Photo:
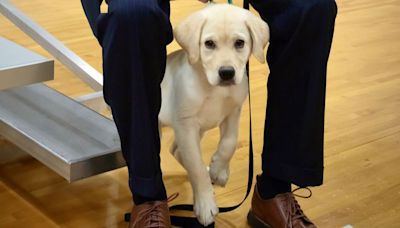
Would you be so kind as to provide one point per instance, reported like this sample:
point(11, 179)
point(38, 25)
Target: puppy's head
point(221, 38)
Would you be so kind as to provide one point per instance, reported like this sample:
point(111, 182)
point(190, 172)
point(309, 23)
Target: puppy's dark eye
point(239, 44)
point(209, 44)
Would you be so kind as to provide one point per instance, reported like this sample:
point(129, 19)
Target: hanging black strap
point(192, 222)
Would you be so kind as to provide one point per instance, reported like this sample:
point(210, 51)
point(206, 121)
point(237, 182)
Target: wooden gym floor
point(362, 141)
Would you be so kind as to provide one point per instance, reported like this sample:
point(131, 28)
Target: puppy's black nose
point(226, 73)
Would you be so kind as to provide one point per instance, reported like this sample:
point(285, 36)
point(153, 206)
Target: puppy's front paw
point(205, 208)
point(219, 172)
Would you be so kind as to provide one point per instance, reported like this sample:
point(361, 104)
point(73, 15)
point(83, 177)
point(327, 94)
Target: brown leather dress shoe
point(282, 211)
point(153, 214)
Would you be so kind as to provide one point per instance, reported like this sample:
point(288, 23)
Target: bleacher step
point(71, 139)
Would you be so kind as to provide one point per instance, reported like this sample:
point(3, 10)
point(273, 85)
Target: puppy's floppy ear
point(188, 33)
point(259, 32)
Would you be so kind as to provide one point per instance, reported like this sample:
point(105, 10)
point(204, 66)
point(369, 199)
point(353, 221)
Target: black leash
point(192, 222)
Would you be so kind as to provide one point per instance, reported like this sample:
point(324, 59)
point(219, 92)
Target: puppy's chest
point(214, 110)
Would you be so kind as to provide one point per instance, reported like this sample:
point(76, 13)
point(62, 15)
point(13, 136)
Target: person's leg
point(134, 35)
point(301, 36)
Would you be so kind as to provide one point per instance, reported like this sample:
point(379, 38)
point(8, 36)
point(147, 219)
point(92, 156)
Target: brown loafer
point(153, 214)
point(282, 211)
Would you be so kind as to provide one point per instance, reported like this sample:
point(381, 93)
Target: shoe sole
point(256, 222)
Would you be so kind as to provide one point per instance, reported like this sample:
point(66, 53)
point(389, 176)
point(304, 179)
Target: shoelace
point(299, 188)
point(294, 210)
point(153, 215)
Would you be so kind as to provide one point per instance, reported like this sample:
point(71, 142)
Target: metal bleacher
point(63, 133)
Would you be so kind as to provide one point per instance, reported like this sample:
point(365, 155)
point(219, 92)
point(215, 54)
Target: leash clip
point(211, 2)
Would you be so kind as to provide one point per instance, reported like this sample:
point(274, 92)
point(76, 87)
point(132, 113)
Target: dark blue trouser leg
point(134, 35)
point(301, 37)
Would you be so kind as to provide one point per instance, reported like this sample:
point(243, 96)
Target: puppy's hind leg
point(219, 166)
point(174, 151)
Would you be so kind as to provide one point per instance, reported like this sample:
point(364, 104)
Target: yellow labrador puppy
point(204, 87)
